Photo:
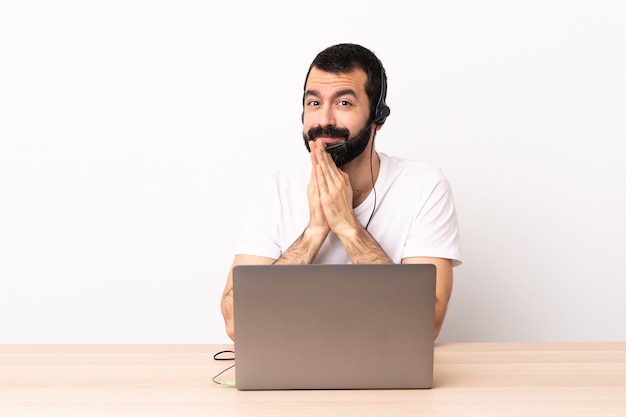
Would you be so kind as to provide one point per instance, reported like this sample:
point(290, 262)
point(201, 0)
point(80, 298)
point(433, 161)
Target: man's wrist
point(314, 236)
point(305, 248)
point(362, 248)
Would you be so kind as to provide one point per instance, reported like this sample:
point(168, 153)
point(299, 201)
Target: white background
point(131, 130)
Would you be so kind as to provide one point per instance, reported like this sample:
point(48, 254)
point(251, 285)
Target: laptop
point(334, 326)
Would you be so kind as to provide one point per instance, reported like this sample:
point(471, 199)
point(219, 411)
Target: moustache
point(328, 132)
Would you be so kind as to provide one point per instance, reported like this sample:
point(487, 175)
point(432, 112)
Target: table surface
point(470, 379)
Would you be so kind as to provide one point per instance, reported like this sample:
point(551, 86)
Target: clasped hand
point(330, 194)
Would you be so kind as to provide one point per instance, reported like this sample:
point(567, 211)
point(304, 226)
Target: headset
point(382, 110)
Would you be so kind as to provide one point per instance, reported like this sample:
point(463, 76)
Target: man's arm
point(227, 295)
point(444, 286)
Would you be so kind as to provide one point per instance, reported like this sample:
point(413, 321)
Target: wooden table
point(471, 379)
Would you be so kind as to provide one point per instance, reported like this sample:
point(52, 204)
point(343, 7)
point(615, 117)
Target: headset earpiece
point(382, 110)
point(381, 114)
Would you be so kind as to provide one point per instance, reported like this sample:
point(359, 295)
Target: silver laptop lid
point(334, 326)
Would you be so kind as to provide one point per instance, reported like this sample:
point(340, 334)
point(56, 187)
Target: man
point(351, 204)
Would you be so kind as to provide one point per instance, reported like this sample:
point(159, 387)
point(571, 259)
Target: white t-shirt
point(414, 214)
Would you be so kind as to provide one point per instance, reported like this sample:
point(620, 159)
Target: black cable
point(218, 357)
point(373, 183)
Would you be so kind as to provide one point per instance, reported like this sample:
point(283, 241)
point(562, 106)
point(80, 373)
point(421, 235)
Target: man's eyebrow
point(344, 92)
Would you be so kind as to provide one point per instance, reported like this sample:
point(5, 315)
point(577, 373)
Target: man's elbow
point(227, 313)
point(437, 331)
point(230, 330)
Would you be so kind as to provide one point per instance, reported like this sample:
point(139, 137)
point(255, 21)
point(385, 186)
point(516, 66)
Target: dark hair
point(345, 57)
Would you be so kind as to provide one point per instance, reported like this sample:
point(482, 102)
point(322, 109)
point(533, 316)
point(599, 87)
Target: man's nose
point(326, 116)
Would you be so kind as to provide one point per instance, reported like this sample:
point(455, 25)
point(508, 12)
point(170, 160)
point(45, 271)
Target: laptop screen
point(334, 326)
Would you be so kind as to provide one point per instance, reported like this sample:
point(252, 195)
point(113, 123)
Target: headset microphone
point(337, 145)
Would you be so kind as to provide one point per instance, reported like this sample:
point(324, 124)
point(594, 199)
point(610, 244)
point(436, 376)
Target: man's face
point(337, 112)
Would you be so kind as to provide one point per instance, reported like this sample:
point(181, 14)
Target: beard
point(345, 152)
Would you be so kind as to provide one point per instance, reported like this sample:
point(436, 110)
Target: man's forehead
point(319, 79)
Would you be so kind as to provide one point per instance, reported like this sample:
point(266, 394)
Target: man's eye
point(344, 103)
point(313, 103)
